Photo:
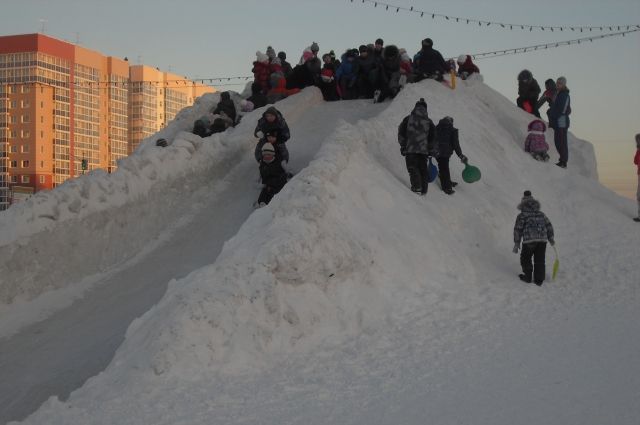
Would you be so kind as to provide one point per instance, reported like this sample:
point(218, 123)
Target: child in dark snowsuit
point(534, 229)
point(272, 120)
point(226, 107)
point(416, 136)
point(536, 142)
point(448, 143)
point(272, 174)
point(528, 92)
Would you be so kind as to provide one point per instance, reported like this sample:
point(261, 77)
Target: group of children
point(556, 95)
point(372, 71)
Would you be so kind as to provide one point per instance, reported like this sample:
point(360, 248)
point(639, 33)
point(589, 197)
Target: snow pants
point(268, 192)
point(560, 139)
point(418, 168)
point(444, 173)
point(535, 250)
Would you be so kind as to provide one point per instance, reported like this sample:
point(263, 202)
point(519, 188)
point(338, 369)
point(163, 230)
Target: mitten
point(259, 134)
point(464, 159)
point(516, 247)
point(403, 151)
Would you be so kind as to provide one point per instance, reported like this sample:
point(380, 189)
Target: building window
point(41, 164)
point(14, 149)
point(26, 119)
point(14, 104)
point(13, 134)
point(41, 119)
point(14, 164)
point(25, 104)
point(41, 149)
point(41, 134)
point(25, 88)
point(41, 104)
point(24, 149)
point(42, 180)
point(25, 163)
point(14, 179)
point(25, 179)
point(25, 134)
point(13, 119)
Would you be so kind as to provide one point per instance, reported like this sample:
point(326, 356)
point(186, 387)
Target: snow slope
point(350, 300)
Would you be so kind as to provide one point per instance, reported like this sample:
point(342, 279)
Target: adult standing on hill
point(559, 120)
point(416, 136)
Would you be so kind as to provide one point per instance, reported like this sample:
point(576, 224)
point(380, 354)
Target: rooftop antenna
point(42, 22)
point(77, 38)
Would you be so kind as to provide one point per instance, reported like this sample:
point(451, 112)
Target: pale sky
point(207, 39)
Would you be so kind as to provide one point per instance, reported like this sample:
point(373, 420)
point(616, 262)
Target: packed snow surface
point(348, 299)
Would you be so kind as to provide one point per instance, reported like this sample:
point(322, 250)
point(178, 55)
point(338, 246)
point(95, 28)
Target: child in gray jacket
point(534, 229)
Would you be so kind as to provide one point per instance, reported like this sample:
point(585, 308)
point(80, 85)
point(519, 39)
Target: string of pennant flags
point(226, 81)
point(551, 45)
point(503, 25)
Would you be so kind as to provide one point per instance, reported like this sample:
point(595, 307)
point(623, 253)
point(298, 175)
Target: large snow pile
point(351, 300)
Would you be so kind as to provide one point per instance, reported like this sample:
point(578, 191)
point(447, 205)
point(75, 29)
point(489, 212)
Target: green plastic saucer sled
point(470, 174)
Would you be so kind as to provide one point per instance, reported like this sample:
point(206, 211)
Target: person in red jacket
point(466, 67)
point(261, 71)
point(636, 160)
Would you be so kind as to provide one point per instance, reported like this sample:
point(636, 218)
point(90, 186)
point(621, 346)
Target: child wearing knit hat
point(534, 229)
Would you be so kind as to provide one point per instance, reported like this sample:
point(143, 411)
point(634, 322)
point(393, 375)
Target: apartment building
point(65, 110)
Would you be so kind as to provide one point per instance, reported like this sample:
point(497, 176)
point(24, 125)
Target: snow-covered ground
point(348, 299)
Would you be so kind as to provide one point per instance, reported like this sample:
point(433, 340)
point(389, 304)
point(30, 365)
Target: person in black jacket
point(528, 92)
point(272, 122)
point(226, 107)
point(257, 97)
point(448, 143)
point(389, 74)
point(272, 174)
point(367, 73)
point(429, 63)
point(286, 66)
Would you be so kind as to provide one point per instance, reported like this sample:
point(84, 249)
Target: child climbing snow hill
point(536, 143)
point(534, 229)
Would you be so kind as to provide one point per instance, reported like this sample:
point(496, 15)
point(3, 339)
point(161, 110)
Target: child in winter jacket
point(272, 174)
point(448, 143)
point(328, 79)
point(261, 72)
point(466, 67)
point(272, 119)
point(536, 143)
point(534, 229)
point(636, 160)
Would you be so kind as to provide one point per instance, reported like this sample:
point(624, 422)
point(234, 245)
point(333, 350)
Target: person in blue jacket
point(559, 120)
point(347, 75)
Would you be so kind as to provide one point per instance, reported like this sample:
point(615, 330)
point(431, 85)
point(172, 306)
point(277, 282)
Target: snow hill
point(349, 299)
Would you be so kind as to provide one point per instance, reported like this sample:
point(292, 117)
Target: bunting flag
point(225, 81)
point(502, 25)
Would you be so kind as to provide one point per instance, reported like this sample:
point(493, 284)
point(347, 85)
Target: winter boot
point(636, 219)
point(524, 278)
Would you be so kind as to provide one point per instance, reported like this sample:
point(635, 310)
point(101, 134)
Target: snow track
point(55, 356)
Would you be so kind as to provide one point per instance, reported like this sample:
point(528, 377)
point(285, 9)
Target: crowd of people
point(379, 72)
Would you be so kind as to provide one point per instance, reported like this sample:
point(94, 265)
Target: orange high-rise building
point(65, 109)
